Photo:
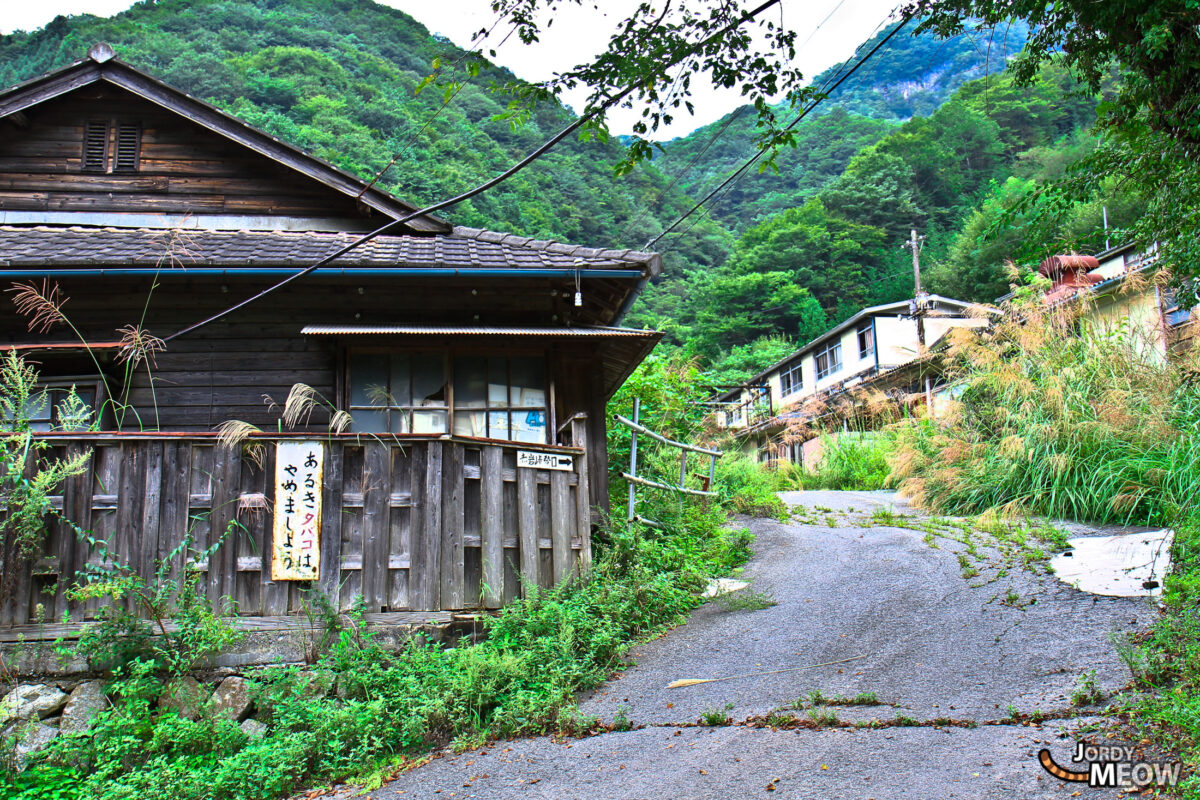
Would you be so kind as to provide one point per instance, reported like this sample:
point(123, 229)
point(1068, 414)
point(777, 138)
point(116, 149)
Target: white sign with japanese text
point(535, 460)
point(296, 540)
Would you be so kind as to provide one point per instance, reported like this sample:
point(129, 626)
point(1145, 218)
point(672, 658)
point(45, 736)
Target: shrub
point(851, 460)
point(747, 487)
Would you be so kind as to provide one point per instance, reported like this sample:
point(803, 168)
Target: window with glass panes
point(501, 397)
point(791, 380)
point(398, 392)
point(866, 340)
point(52, 408)
point(829, 359)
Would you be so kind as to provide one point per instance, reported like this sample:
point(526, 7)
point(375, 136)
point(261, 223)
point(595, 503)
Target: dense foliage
point(955, 176)
point(1085, 425)
point(387, 704)
point(1151, 124)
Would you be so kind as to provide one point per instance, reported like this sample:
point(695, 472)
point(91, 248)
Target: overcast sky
point(577, 34)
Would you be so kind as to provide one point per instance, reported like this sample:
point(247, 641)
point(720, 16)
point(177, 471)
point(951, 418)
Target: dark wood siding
point(180, 166)
point(414, 525)
point(243, 367)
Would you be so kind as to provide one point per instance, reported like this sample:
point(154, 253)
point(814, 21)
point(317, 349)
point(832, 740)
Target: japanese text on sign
point(296, 543)
point(535, 460)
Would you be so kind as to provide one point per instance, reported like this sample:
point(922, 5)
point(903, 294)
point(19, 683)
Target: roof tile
point(464, 248)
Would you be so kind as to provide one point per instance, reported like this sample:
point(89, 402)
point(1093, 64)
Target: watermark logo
point(1112, 767)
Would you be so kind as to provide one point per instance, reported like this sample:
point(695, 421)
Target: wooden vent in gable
point(95, 146)
point(129, 147)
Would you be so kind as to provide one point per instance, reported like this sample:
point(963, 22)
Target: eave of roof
point(477, 330)
point(465, 248)
point(100, 65)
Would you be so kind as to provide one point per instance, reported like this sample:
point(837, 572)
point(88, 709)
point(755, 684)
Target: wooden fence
point(409, 523)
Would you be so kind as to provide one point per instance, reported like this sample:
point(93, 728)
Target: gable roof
point(102, 66)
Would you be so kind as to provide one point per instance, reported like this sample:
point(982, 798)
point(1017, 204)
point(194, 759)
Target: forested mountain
point(914, 139)
point(911, 76)
point(950, 175)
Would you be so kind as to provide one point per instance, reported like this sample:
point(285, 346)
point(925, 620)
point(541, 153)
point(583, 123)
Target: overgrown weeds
point(1060, 420)
point(848, 460)
point(520, 680)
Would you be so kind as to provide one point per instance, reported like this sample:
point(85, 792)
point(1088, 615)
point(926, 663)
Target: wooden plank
point(226, 477)
point(583, 495)
point(377, 489)
point(350, 582)
point(80, 512)
point(331, 523)
point(400, 548)
point(75, 495)
point(147, 549)
point(172, 517)
point(431, 531)
point(527, 528)
point(453, 577)
point(248, 564)
point(418, 572)
point(492, 523)
point(562, 513)
point(132, 484)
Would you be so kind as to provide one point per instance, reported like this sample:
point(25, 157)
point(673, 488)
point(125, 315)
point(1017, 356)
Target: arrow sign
point(531, 459)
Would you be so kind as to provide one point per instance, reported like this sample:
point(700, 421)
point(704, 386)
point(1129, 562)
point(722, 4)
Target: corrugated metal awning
point(436, 330)
point(65, 347)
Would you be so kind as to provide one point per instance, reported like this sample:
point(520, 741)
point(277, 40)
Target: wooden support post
point(492, 526)
point(453, 577)
point(561, 513)
point(583, 501)
point(527, 528)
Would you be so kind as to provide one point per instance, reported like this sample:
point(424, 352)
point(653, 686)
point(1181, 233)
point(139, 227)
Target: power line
point(481, 37)
point(481, 188)
point(681, 174)
point(692, 162)
point(796, 121)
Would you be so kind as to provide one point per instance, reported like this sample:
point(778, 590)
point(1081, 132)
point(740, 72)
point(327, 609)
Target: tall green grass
point(848, 460)
point(1053, 421)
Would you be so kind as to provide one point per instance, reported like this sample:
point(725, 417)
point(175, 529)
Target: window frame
point(509, 408)
point(832, 353)
point(794, 375)
point(55, 384)
point(450, 358)
point(867, 328)
point(408, 408)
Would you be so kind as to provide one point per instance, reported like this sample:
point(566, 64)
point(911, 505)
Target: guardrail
point(635, 480)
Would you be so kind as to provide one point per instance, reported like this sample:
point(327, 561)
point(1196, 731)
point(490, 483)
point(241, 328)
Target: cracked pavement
point(927, 644)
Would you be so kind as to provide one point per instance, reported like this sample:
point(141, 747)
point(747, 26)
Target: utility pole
point(914, 244)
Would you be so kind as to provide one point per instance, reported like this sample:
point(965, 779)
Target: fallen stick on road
point(693, 681)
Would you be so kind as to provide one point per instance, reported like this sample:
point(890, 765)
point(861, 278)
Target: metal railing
point(635, 480)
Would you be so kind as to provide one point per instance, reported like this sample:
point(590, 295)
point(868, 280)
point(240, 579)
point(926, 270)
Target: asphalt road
point(923, 640)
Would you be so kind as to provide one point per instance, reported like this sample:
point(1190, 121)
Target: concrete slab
point(1124, 565)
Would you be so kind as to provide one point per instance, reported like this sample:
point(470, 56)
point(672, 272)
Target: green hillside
point(337, 77)
point(910, 141)
point(910, 77)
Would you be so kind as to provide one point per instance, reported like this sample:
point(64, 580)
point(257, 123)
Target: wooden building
point(475, 365)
